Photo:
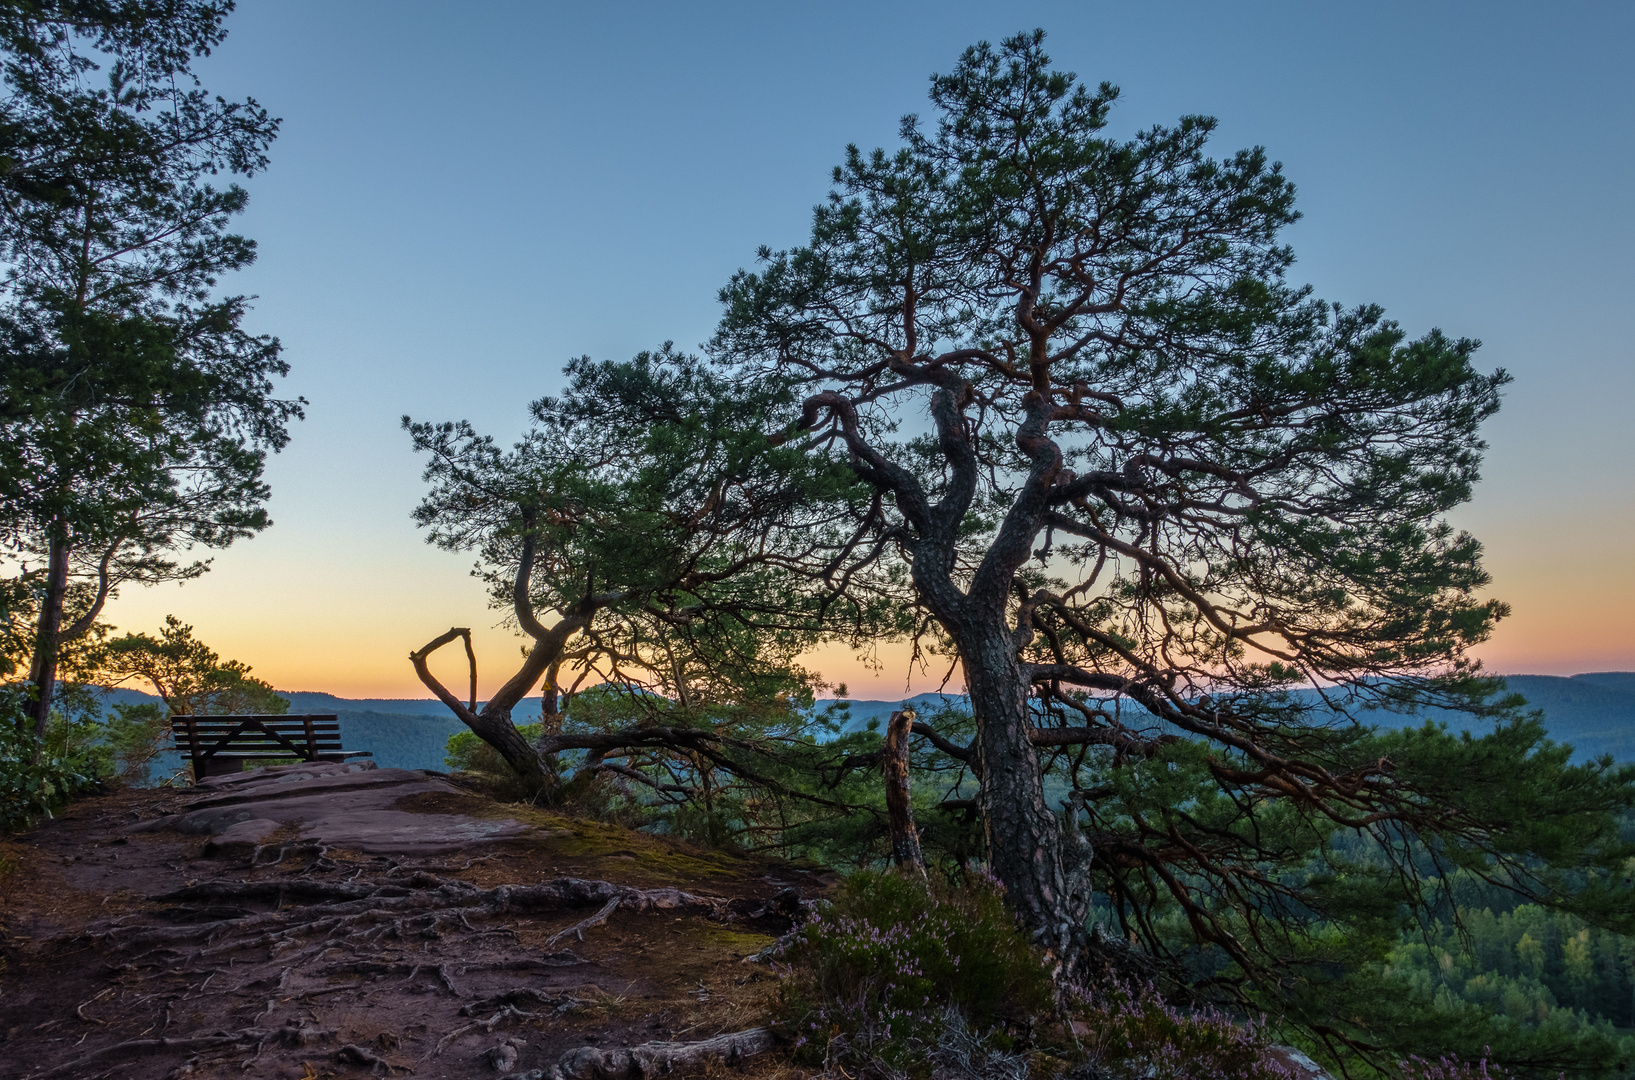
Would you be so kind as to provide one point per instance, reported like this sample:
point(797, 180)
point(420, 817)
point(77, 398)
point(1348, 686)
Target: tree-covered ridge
point(1594, 713)
point(1591, 713)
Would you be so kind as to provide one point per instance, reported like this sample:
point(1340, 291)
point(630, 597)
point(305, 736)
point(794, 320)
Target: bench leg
point(216, 767)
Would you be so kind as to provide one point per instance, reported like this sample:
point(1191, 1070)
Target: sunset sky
point(466, 195)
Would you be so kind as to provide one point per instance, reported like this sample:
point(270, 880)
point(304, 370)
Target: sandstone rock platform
point(333, 804)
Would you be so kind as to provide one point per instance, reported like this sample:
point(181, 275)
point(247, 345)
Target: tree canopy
point(137, 411)
point(1179, 521)
point(643, 535)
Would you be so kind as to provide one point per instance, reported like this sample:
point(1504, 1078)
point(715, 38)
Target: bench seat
point(222, 744)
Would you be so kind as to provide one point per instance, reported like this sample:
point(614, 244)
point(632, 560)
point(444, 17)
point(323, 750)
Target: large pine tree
point(1178, 521)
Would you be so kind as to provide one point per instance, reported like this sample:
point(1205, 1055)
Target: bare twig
point(79, 1010)
point(579, 928)
point(507, 1012)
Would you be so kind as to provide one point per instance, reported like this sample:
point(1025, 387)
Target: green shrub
point(33, 789)
point(132, 738)
point(83, 749)
point(879, 972)
point(117, 747)
point(34, 779)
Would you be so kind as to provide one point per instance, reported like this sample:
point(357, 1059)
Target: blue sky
point(466, 195)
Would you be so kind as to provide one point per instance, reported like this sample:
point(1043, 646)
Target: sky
point(465, 196)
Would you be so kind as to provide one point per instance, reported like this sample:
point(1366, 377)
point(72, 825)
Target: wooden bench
point(222, 744)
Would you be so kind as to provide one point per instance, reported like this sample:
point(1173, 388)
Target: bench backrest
point(281, 735)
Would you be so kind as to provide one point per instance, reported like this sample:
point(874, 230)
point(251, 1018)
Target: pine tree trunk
point(494, 727)
point(1023, 833)
point(48, 636)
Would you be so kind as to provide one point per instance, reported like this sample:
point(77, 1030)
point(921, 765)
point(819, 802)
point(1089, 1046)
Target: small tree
point(649, 513)
point(190, 679)
point(189, 676)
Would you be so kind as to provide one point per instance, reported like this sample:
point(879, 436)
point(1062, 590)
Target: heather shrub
point(1446, 1068)
point(878, 971)
point(1129, 1030)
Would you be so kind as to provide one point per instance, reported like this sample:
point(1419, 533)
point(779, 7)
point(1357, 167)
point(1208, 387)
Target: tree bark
point(1044, 881)
point(905, 839)
point(494, 727)
point(492, 723)
point(48, 637)
point(1047, 886)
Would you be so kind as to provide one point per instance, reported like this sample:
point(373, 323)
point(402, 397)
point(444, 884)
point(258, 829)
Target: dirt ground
point(174, 933)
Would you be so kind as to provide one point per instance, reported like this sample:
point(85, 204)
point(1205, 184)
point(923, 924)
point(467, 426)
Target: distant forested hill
point(1593, 712)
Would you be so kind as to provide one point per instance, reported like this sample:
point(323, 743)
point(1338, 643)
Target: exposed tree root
point(354, 913)
point(442, 975)
point(139, 1047)
point(384, 966)
point(295, 938)
point(559, 958)
point(353, 1054)
point(505, 1013)
point(578, 929)
point(503, 1056)
point(768, 952)
point(561, 1003)
point(505, 1006)
point(80, 1011)
point(349, 915)
point(652, 1059)
point(316, 849)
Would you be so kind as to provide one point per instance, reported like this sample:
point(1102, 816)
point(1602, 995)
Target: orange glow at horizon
point(308, 616)
point(359, 658)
